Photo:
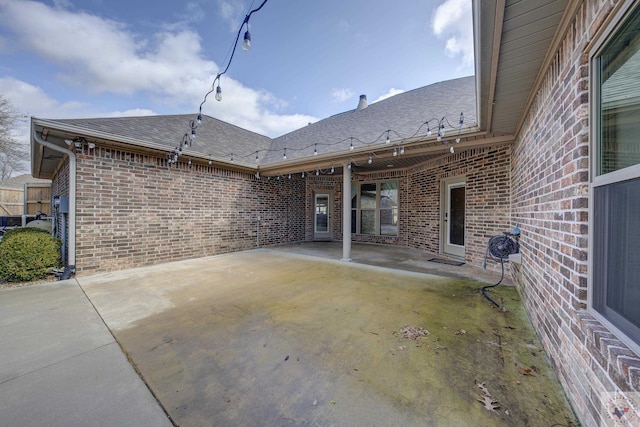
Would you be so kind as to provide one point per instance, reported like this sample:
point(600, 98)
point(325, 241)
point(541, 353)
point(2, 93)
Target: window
point(615, 218)
point(374, 208)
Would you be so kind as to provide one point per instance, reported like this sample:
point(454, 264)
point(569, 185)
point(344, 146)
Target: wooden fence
point(13, 201)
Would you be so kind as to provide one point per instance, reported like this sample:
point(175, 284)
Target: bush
point(18, 230)
point(28, 254)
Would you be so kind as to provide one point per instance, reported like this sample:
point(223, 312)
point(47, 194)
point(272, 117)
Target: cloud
point(341, 95)
point(453, 21)
point(233, 12)
point(103, 55)
point(389, 94)
point(167, 70)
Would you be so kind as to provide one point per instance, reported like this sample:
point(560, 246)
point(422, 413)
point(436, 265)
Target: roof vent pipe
point(362, 104)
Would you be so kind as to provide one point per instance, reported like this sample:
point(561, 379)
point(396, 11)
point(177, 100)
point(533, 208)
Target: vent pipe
point(362, 104)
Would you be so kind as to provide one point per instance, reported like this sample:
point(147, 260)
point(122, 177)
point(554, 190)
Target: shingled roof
point(215, 138)
point(401, 116)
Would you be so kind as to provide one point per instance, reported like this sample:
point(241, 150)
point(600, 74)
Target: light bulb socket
point(246, 44)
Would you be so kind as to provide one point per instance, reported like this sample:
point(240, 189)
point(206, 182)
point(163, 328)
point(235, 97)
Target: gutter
point(70, 269)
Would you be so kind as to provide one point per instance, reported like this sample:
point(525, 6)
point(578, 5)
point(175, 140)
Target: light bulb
point(289, 176)
point(317, 172)
point(395, 152)
point(210, 161)
point(315, 150)
point(370, 160)
point(351, 145)
point(231, 157)
point(303, 174)
point(428, 131)
point(246, 44)
point(193, 134)
point(199, 119)
point(442, 130)
point(457, 140)
point(284, 156)
point(332, 169)
point(257, 175)
point(218, 93)
point(388, 140)
point(451, 150)
point(402, 150)
point(349, 166)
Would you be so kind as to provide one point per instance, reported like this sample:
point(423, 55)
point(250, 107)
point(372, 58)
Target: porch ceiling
point(515, 40)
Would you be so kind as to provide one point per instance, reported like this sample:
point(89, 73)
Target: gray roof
point(18, 182)
point(214, 138)
point(403, 115)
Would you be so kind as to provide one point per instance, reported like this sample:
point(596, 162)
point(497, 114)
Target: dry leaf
point(524, 371)
point(482, 387)
point(226, 399)
point(489, 403)
point(413, 332)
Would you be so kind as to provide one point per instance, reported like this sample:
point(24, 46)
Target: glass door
point(453, 218)
point(322, 217)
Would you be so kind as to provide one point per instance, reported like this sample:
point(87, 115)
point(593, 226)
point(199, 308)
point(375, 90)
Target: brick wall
point(487, 178)
point(550, 188)
point(133, 210)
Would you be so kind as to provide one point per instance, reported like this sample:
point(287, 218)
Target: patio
point(286, 337)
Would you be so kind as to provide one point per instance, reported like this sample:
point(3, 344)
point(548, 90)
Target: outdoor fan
point(499, 248)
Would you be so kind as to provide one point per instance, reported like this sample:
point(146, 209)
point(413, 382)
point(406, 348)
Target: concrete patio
point(293, 336)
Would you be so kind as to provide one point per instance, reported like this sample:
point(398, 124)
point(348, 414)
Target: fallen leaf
point(482, 387)
point(489, 404)
point(413, 332)
point(524, 371)
point(226, 399)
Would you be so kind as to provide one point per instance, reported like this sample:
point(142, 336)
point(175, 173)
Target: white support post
point(346, 213)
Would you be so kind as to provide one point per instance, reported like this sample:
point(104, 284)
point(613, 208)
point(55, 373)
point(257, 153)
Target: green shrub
point(18, 230)
point(28, 255)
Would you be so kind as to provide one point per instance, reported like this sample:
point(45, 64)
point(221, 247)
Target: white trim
point(596, 47)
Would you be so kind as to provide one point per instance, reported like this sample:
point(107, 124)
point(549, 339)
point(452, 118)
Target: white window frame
point(607, 31)
point(358, 209)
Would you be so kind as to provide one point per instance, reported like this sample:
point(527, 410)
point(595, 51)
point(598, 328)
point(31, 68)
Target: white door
point(322, 217)
point(453, 216)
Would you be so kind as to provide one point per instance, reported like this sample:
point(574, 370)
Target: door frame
point(328, 234)
point(447, 184)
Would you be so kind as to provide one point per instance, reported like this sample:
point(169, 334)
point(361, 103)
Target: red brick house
point(549, 143)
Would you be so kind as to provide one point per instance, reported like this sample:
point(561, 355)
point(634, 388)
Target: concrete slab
point(62, 367)
point(267, 337)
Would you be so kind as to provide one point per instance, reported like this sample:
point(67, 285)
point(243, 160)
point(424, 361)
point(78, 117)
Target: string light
point(441, 124)
point(388, 140)
point(370, 159)
point(246, 44)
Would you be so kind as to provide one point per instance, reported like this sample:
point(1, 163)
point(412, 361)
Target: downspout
point(71, 260)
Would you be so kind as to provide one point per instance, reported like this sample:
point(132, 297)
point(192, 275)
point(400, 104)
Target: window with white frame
point(374, 208)
point(615, 187)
